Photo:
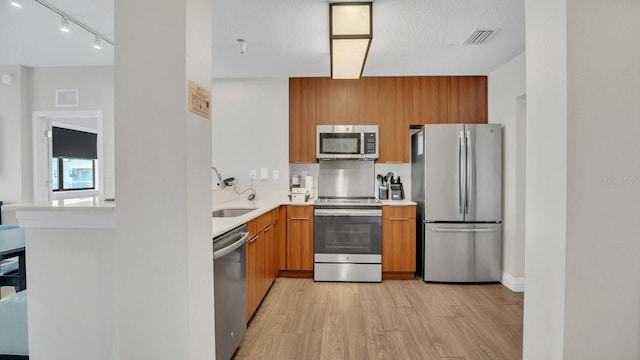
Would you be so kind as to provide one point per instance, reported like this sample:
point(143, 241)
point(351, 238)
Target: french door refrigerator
point(456, 180)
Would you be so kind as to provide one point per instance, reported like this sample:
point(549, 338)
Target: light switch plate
point(264, 173)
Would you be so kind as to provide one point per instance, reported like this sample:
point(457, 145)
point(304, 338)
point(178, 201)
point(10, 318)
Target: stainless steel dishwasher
point(230, 294)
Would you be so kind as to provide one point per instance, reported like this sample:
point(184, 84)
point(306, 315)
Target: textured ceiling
point(287, 38)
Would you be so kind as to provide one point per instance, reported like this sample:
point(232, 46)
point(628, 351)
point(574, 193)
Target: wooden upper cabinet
point(428, 100)
point(467, 100)
point(393, 115)
point(331, 98)
point(302, 120)
point(393, 103)
point(362, 97)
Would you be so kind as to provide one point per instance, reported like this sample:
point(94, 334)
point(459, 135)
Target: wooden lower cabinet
point(300, 238)
point(398, 241)
point(262, 258)
point(281, 237)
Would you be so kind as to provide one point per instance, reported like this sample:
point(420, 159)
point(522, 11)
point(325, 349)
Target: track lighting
point(97, 43)
point(64, 25)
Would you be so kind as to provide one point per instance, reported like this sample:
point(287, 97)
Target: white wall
point(251, 130)
point(583, 180)
point(546, 169)
point(15, 137)
point(602, 296)
point(163, 217)
point(95, 85)
point(34, 90)
point(505, 86)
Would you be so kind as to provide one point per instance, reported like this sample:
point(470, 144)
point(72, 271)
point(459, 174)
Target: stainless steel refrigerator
point(456, 179)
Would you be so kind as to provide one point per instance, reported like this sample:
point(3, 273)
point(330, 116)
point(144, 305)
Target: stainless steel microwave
point(347, 141)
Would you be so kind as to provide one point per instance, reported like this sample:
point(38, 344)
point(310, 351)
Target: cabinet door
point(362, 97)
point(300, 238)
point(252, 275)
point(393, 119)
point(302, 120)
point(331, 102)
point(268, 261)
point(281, 238)
point(428, 100)
point(399, 239)
point(467, 100)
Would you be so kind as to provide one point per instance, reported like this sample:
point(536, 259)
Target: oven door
point(348, 235)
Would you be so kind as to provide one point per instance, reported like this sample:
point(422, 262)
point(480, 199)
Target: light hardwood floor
point(397, 319)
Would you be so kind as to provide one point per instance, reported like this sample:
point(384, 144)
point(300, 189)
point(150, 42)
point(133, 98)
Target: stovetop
point(332, 201)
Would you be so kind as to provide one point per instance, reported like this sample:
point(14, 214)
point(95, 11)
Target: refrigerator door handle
point(478, 230)
point(461, 162)
point(468, 179)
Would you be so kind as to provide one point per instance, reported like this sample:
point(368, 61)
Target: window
point(73, 164)
point(72, 174)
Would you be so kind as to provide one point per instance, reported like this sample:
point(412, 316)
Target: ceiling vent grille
point(478, 37)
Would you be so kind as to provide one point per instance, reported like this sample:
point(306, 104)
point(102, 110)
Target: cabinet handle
point(267, 228)
point(399, 219)
point(299, 218)
point(254, 238)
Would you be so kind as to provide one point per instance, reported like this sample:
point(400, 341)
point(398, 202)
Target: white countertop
point(262, 204)
point(75, 204)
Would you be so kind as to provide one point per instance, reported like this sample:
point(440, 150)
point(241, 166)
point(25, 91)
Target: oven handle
point(348, 212)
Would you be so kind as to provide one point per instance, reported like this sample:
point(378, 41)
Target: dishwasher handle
point(234, 243)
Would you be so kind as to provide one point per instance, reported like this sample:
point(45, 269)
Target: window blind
point(74, 144)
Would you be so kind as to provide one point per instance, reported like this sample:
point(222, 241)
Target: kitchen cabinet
point(302, 120)
point(331, 106)
point(261, 255)
point(467, 100)
point(393, 111)
point(281, 238)
point(398, 241)
point(429, 100)
point(300, 238)
point(362, 96)
point(392, 103)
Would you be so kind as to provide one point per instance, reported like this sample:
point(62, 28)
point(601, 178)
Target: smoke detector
point(478, 37)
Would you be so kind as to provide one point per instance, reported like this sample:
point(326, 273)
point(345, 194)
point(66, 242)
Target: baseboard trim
point(513, 283)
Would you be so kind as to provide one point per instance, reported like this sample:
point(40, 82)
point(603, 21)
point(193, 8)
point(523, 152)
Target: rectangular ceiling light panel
point(351, 34)
point(347, 58)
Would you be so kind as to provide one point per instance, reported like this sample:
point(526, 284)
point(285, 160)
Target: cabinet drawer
point(300, 212)
point(399, 212)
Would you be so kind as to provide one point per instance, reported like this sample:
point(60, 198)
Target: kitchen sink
point(231, 212)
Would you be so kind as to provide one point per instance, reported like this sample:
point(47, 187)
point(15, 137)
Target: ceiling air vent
point(478, 37)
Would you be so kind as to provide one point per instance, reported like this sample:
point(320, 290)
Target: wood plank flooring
point(397, 319)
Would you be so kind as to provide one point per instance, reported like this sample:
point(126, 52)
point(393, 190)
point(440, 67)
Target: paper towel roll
point(308, 183)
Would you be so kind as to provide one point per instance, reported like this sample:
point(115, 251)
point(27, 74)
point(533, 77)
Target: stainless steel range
point(347, 223)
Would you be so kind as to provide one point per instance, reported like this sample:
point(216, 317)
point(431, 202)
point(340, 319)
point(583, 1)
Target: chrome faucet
point(220, 184)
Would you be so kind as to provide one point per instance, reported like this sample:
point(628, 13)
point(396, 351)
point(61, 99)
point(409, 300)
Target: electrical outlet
point(275, 175)
point(253, 174)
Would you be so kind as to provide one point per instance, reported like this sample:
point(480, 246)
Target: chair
point(13, 272)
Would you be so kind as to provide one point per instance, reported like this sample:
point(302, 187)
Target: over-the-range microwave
point(347, 142)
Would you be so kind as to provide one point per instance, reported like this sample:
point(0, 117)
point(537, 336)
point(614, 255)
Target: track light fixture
point(64, 25)
point(97, 43)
